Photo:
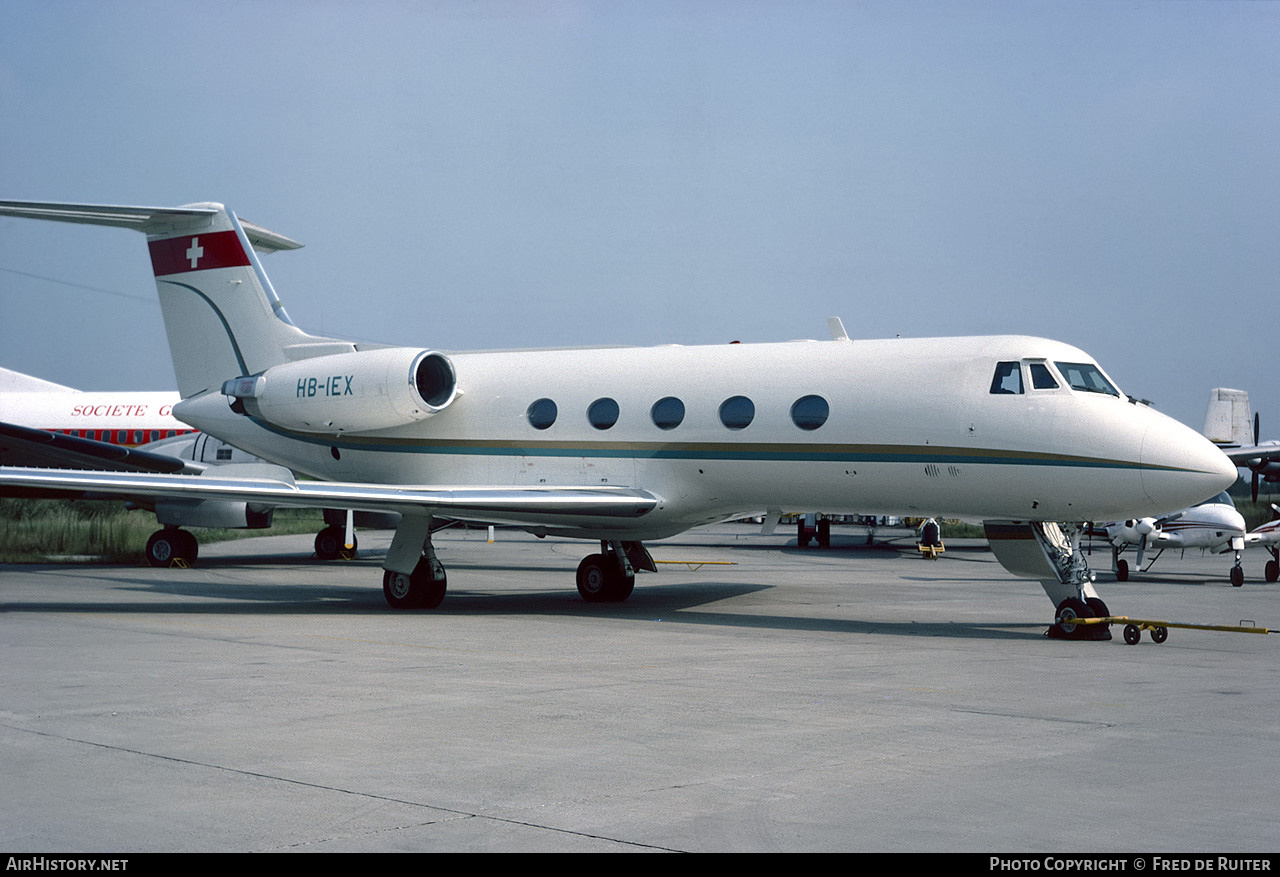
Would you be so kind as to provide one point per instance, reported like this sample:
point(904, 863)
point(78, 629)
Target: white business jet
point(624, 445)
point(1213, 525)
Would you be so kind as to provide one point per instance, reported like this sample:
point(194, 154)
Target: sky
point(478, 174)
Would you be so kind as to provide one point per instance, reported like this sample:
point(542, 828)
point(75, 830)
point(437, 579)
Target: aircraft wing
point(267, 485)
point(24, 446)
point(1263, 460)
point(1243, 456)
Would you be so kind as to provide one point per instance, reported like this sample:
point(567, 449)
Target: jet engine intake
point(364, 391)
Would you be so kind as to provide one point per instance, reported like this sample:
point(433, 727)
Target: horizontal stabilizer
point(118, 216)
point(145, 219)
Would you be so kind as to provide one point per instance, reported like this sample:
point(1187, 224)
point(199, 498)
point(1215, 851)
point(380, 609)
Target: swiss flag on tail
point(219, 249)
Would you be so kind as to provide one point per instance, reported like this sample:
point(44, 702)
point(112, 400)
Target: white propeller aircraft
point(1268, 536)
point(1213, 525)
point(624, 445)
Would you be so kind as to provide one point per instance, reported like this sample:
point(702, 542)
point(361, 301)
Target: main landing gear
point(172, 547)
point(178, 548)
point(1272, 570)
point(414, 578)
point(808, 529)
point(1237, 571)
point(610, 576)
point(421, 589)
point(331, 544)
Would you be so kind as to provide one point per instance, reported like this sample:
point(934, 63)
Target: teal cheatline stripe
point(706, 451)
point(244, 369)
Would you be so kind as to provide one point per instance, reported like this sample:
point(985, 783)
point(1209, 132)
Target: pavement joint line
point(460, 814)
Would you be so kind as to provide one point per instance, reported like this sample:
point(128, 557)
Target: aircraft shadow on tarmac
point(674, 603)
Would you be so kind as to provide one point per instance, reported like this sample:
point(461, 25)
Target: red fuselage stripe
point(132, 437)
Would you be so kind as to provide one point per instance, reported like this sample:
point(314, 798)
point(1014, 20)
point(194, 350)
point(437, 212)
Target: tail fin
point(222, 317)
point(1227, 419)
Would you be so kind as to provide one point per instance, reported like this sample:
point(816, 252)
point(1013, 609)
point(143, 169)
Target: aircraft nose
point(1180, 467)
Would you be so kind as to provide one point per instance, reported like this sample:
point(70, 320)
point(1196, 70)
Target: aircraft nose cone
point(1180, 467)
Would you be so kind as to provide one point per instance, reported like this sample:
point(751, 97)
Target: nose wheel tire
point(1066, 627)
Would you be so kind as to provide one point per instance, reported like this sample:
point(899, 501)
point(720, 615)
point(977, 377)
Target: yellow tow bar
point(698, 564)
point(1133, 627)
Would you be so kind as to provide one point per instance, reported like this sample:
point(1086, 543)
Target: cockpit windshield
point(1087, 377)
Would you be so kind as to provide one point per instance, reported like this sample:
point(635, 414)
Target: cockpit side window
point(1008, 379)
point(1087, 377)
point(1041, 377)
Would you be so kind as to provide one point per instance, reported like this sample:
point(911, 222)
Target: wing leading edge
point(272, 486)
point(1242, 456)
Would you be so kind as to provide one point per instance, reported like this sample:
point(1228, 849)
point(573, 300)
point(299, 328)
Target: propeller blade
point(1142, 547)
point(1253, 482)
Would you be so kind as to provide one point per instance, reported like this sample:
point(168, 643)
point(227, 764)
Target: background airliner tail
point(1227, 420)
point(222, 317)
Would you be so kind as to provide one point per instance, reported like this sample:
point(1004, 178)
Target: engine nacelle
point(1131, 532)
point(363, 391)
point(223, 513)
